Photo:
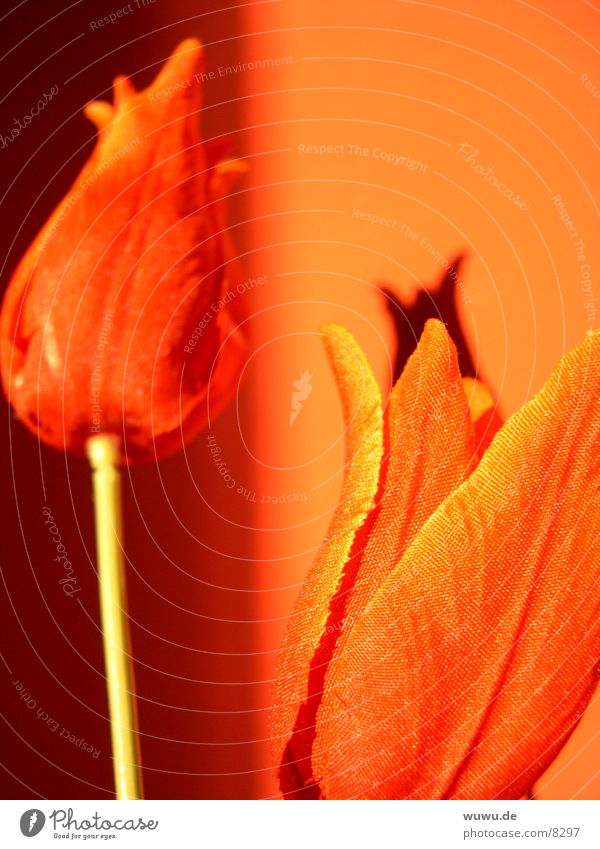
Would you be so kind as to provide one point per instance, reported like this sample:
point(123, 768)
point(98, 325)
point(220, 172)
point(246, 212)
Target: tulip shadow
point(438, 302)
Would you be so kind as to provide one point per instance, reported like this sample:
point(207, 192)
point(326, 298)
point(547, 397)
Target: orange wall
point(414, 80)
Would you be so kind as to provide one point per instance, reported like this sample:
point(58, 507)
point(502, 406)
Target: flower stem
point(103, 455)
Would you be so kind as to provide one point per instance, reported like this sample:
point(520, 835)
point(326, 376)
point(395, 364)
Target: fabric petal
point(138, 238)
point(363, 418)
point(476, 658)
point(430, 450)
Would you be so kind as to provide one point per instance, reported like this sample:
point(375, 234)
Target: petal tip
point(186, 60)
point(100, 113)
point(335, 331)
point(123, 90)
point(435, 329)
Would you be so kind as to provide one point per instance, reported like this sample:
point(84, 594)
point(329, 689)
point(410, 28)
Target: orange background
point(416, 80)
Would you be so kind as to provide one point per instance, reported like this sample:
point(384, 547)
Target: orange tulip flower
point(115, 319)
point(446, 640)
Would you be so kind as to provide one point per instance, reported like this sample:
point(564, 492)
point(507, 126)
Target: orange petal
point(166, 112)
point(430, 448)
point(363, 420)
point(139, 234)
point(99, 113)
point(479, 653)
point(123, 90)
point(186, 63)
point(484, 413)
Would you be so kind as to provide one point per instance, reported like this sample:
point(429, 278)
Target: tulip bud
point(116, 318)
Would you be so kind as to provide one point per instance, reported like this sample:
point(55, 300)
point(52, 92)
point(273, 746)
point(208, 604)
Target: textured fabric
point(429, 449)
point(430, 446)
point(479, 652)
point(363, 420)
point(455, 666)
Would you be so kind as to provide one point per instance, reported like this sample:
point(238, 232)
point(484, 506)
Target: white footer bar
point(301, 825)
